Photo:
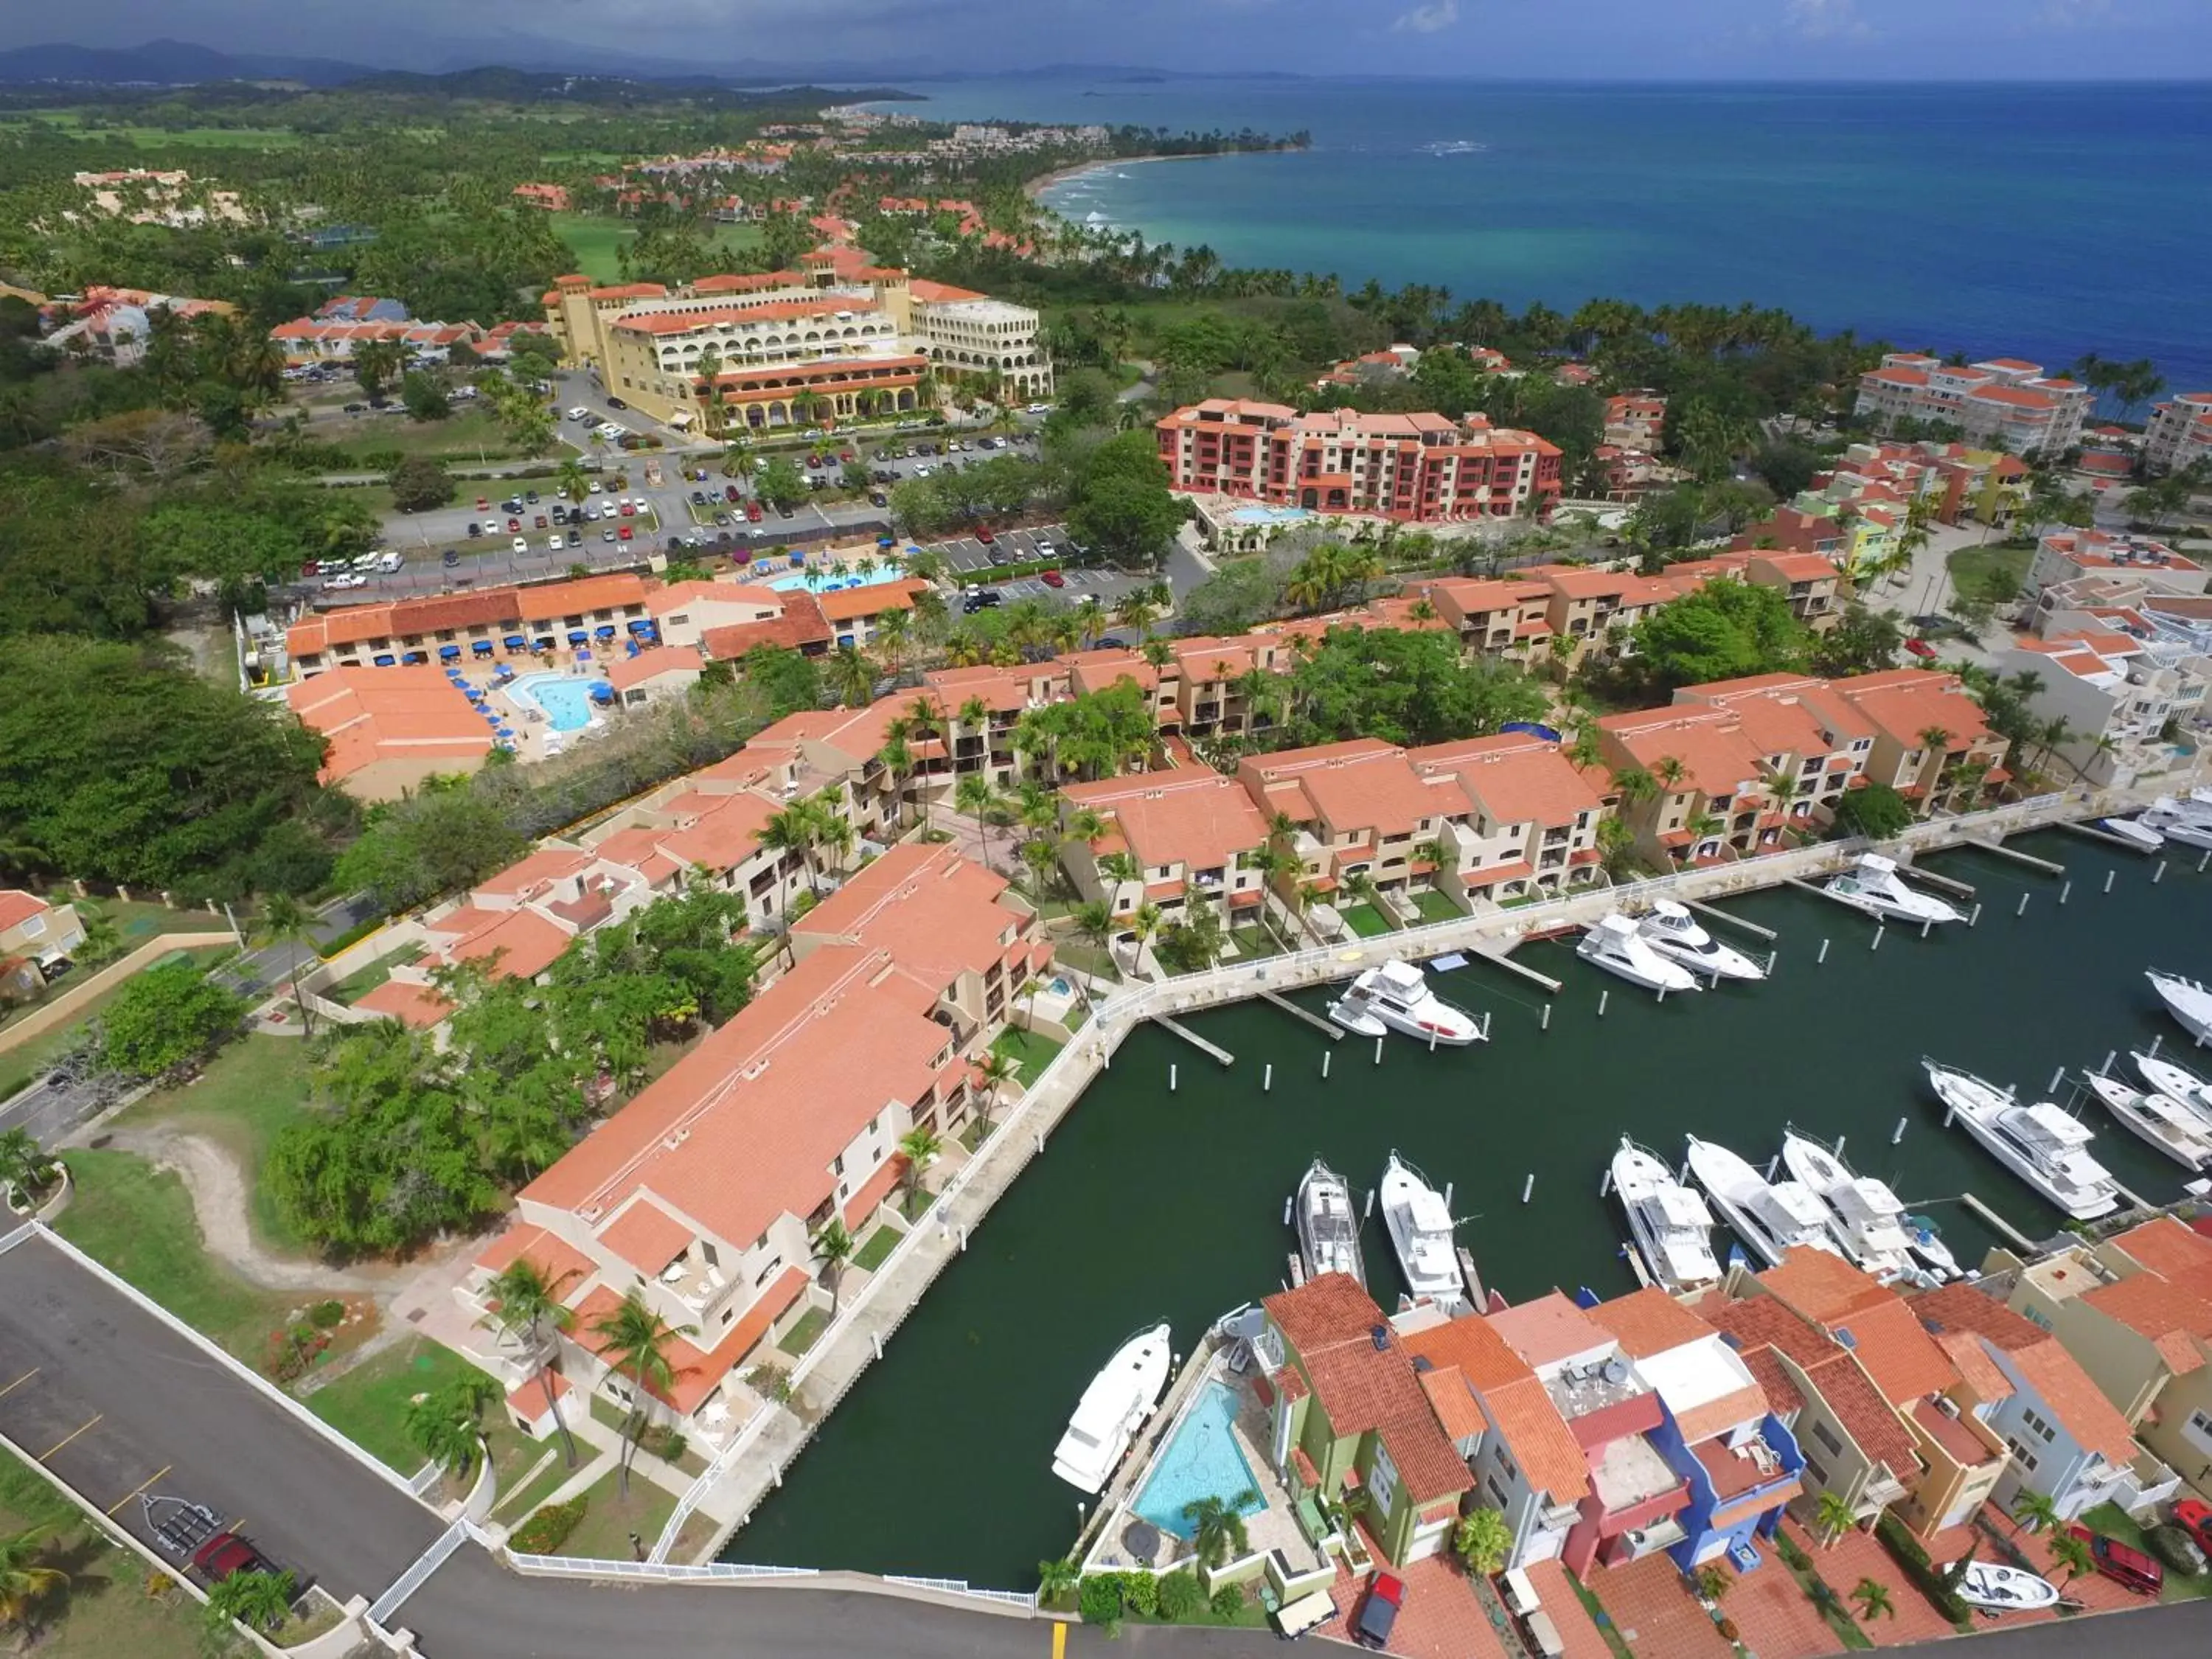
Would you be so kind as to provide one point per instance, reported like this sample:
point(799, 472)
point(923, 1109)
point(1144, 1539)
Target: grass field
point(1029, 1052)
point(105, 1610)
point(73, 123)
point(609, 1519)
point(595, 239)
point(471, 435)
point(1970, 565)
point(352, 988)
point(137, 1221)
point(368, 1406)
point(250, 1091)
point(27, 1060)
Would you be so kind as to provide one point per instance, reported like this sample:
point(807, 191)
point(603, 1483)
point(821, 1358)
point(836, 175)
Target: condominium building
point(2063, 555)
point(1636, 420)
point(1418, 468)
point(1530, 825)
point(2005, 400)
point(2179, 433)
point(1931, 742)
point(1191, 836)
point(1986, 486)
point(486, 628)
point(1356, 809)
point(2117, 694)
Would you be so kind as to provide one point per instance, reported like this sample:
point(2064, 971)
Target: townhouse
point(1204, 687)
point(1703, 789)
point(977, 714)
point(1493, 618)
point(1887, 1425)
point(1532, 819)
point(312, 339)
point(1594, 609)
point(1190, 835)
point(1985, 486)
point(1931, 743)
point(1356, 813)
point(494, 625)
point(1411, 468)
point(34, 937)
point(2068, 1441)
point(2006, 401)
point(1349, 1409)
point(1636, 420)
point(2135, 1311)
point(1810, 583)
point(2179, 433)
point(387, 730)
point(2063, 555)
point(2116, 693)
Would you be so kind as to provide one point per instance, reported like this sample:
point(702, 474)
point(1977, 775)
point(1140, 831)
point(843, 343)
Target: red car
point(623, 532)
point(983, 534)
point(483, 503)
point(752, 511)
point(2195, 1518)
point(846, 456)
point(2127, 1567)
point(226, 1555)
point(514, 524)
point(1920, 648)
point(730, 490)
point(1052, 578)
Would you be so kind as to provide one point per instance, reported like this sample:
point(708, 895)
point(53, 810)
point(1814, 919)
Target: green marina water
point(1149, 1204)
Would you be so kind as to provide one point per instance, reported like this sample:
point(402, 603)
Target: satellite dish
point(1615, 1371)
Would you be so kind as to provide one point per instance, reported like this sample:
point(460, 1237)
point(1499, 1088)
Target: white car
point(580, 413)
point(521, 544)
point(388, 563)
point(595, 486)
point(344, 580)
point(1038, 409)
point(552, 543)
point(592, 509)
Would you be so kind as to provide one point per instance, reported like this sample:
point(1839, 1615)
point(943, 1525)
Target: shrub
point(1786, 1548)
point(1924, 1574)
point(1141, 1593)
point(1728, 1630)
point(548, 1530)
point(326, 1315)
point(1228, 1602)
point(1099, 1601)
point(665, 1442)
point(1181, 1597)
point(2175, 1547)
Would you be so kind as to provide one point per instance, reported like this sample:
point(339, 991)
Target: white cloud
point(1827, 20)
point(1427, 20)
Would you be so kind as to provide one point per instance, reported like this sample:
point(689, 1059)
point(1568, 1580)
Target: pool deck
point(535, 738)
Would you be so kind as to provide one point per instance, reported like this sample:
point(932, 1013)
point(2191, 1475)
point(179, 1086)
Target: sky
point(1586, 39)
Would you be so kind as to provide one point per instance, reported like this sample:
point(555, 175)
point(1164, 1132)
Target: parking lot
point(120, 1407)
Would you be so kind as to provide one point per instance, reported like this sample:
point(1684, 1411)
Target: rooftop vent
point(1380, 1336)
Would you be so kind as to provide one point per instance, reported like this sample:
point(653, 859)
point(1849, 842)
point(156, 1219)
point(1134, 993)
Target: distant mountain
point(164, 63)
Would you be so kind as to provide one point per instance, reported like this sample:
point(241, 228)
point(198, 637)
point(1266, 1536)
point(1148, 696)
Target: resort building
point(1636, 420)
point(1411, 468)
point(116, 323)
point(311, 339)
point(1531, 826)
point(2063, 555)
point(1189, 835)
point(1350, 1410)
point(2180, 432)
point(2135, 1311)
point(33, 935)
point(2116, 692)
point(387, 729)
point(1985, 486)
point(1493, 618)
point(977, 710)
point(2005, 401)
point(1356, 813)
point(495, 625)
point(1931, 743)
point(2068, 1441)
point(1206, 686)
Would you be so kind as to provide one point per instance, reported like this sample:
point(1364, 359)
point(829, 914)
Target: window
point(1497, 1492)
point(1826, 1436)
point(2041, 1427)
point(774, 1265)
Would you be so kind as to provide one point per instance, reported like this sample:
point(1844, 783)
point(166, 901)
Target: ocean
point(2043, 222)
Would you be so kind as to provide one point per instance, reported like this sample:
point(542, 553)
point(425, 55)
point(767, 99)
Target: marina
point(1147, 1205)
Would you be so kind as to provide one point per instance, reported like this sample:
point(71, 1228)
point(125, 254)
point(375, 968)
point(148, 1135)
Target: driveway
point(114, 1403)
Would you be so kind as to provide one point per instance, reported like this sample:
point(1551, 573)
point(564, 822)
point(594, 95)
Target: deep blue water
point(2042, 221)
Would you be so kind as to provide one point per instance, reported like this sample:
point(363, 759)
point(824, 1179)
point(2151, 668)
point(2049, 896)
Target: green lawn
point(1031, 1052)
point(368, 1406)
point(609, 1519)
point(876, 1247)
point(1254, 942)
point(249, 1093)
point(107, 1610)
point(2116, 1522)
point(30, 1059)
point(595, 239)
point(352, 988)
point(1970, 564)
point(471, 436)
point(804, 1336)
point(1367, 921)
point(1436, 907)
point(137, 1221)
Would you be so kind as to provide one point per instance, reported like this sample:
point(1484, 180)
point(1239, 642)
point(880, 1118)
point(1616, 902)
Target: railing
point(419, 1572)
point(1025, 1598)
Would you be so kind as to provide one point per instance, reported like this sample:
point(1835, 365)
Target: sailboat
point(1670, 1224)
point(1866, 1214)
point(1420, 1230)
point(2037, 1142)
point(1769, 1216)
point(1113, 1408)
point(1328, 1227)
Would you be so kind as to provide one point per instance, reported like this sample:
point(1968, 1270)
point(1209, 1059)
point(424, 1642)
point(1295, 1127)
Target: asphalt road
point(48, 1111)
point(2179, 1630)
point(114, 1403)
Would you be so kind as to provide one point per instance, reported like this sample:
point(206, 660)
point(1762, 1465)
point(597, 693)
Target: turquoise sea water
point(2039, 221)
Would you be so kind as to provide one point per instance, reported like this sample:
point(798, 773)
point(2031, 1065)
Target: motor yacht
point(2138, 835)
point(1672, 931)
point(1421, 1233)
point(1769, 1216)
point(2188, 1000)
point(2188, 823)
point(1113, 1408)
point(2002, 1587)
point(2163, 1122)
point(1397, 995)
point(2037, 1141)
point(1328, 1226)
point(1618, 945)
point(1670, 1224)
point(1873, 885)
point(2175, 1083)
point(1929, 1250)
point(1866, 1216)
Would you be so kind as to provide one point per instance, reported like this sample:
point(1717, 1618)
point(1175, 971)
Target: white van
point(388, 563)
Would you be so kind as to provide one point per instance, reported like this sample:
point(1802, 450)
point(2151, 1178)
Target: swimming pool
point(824, 581)
point(1269, 515)
point(565, 698)
point(1202, 1460)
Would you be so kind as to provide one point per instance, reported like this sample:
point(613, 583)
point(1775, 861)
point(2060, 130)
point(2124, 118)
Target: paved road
point(47, 1110)
point(2180, 1630)
point(112, 1400)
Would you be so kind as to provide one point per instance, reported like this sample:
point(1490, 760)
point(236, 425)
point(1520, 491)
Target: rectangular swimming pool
point(1202, 1460)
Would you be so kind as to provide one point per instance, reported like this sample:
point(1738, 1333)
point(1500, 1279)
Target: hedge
point(548, 1530)
point(1010, 573)
point(1926, 1577)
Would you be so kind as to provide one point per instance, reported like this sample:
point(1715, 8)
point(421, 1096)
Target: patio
point(1656, 1613)
point(1442, 1617)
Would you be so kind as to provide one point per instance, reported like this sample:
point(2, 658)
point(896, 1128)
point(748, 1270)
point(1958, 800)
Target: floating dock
point(1333, 1032)
point(1194, 1039)
point(2106, 836)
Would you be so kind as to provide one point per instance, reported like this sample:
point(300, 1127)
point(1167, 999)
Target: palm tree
point(102, 938)
point(285, 921)
point(259, 1600)
point(898, 760)
point(1832, 1517)
point(796, 829)
point(1483, 1542)
point(2035, 1511)
point(1670, 771)
point(572, 481)
point(995, 1068)
point(833, 1249)
point(446, 1426)
point(1217, 1526)
point(852, 676)
point(920, 1148)
point(2073, 1553)
point(1873, 1597)
point(974, 795)
point(26, 1581)
point(25, 1171)
point(1057, 1579)
point(636, 1340)
point(524, 1301)
point(1094, 920)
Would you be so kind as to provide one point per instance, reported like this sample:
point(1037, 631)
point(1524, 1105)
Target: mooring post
point(1821, 960)
point(2024, 898)
point(1171, 1077)
point(1369, 1209)
point(876, 1341)
point(1898, 1134)
point(1324, 1064)
point(1927, 928)
point(1880, 929)
point(2155, 1042)
point(2065, 892)
point(2056, 1078)
point(2159, 874)
point(1602, 996)
point(1528, 1186)
point(1605, 1181)
point(1772, 1164)
point(2202, 862)
point(1266, 1077)
point(963, 1239)
point(1378, 1051)
point(1839, 1145)
point(2109, 876)
point(1545, 1024)
point(1976, 915)
point(2106, 1070)
point(1448, 1193)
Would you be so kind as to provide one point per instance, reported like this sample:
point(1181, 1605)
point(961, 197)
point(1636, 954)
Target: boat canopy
point(1681, 1207)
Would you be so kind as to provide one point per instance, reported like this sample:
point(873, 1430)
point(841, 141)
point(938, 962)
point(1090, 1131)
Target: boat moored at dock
point(1672, 931)
point(1618, 945)
point(1873, 885)
point(1669, 1225)
point(2190, 1001)
point(1867, 1216)
point(1771, 1216)
point(1396, 994)
point(1420, 1227)
point(1113, 1408)
point(2157, 1120)
point(2175, 1083)
point(2037, 1141)
point(2186, 823)
point(2142, 836)
point(1328, 1226)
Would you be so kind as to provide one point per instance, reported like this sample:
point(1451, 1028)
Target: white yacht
point(1328, 1226)
point(2164, 1123)
point(2142, 836)
point(1866, 1215)
point(2189, 823)
point(1421, 1233)
point(1671, 1226)
point(1672, 931)
point(1356, 1016)
point(1397, 994)
point(1873, 885)
point(2037, 1142)
point(1929, 1250)
point(2175, 1083)
point(1618, 945)
point(2190, 1001)
point(1112, 1409)
point(1769, 1216)
point(2002, 1588)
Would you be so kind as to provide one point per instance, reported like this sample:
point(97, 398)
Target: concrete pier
point(2108, 838)
point(2012, 1234)
point(1194, 1040)
point(2046, 866)
point(1948, 884)
point(1497, 955)
point(1718, 914)
point(1333, 1032)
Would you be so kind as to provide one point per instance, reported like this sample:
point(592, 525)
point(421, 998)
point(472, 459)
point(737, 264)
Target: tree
point(1057, 1579)
point(1094, 920)
point(25, 1170)
point(974, 795)
point(103, 939)
point(1406, 688)
point(447, 1425)
point(1195, 943)
point(920, 1148)
point(526, 1302)
point(1873, 1598)
point(259, 1600)
point(833, 1249)
point(1217, 1525)
point(164, 1021)
point(795, 832)
point(425, 399)
point(1726, 630)
point(1832, 1517)
point(1865, 642)
point(2035, 1511)
point(1483, 1541)
point(419, 484)
point(780, 483)
point(1876, 812)
point(286, 921)
point(1120, 507)
point(377, 364)
point(635, 1340)
point(2073, 1553)
point(428, 844)
point(28, 1580)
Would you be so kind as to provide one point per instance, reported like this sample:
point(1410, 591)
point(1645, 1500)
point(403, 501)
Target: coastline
point(1035, 188)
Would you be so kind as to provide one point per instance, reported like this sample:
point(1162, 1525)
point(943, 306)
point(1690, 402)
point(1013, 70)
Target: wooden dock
point(1333, 1032)
point(2106, 836)
point(1471, 1279)
point(1497, 955)
point(1194, 1039)
point(2048, 867)
point(1718, 914)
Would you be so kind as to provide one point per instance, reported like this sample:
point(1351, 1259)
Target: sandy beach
point(1036, 187)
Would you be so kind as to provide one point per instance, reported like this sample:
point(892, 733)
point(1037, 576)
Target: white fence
point(418, 1572)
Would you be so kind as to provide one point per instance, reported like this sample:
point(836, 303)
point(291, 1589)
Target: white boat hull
point(1681, 1264)
point(1114, 1408)
point(2175, 1083)
point(1876, 1242)
point(1355, 1018)
point(2172, 1131)
point(2002, 1587)
point(2189, 1003)
point(1640, 964)
point(1721, 961)
point(2135, 834)
point(1734, 1188)
point(1973, 1105)
point(1426, 1255)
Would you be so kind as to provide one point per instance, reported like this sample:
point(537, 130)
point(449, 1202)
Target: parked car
point(388, 563)
point(1052, 578)
point(530, 496)
point(1379, 1612)
point(983, 534)
point(614, 402)
point(356, 409)
point(606, 535)
point(553, 543)
point(623, 532)
point(483, 504)
point(450, 558)
point(512, 504)
point(580, 413)
point(721, 518)
point(630, 510)
point(226, 1555)
point(2194, 1517)
point(576, 539)
point(520, 545)
point(594, 489)
point(541, 521)
point(753, 511)
point(311, 567)
point(346, 579)
point(876, 498)
point(1920, 648)
point(513, 524)
point(732, 492)
point(2122, 1563)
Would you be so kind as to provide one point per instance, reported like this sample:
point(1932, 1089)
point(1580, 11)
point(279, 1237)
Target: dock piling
point(1839, 1145)
point(2065, 891)
point(2024, 898)
point(1039, 1145)
point(1605, 1182)
point(1378, 1051)
point(2159, 874)
point(1171, 1077)
point(1880, 929)
point(1927, 928)
point(2056, 1078)
point(1898, 1134)
point(1602, 996)
point(1287, 1211)
point(1545, 1023)
point(2106, 1070)
point(964, 1241)
point(1267, 1077)
point(2202, 862)
point(1528, 1186)
point(1324, 1064)
point(1448, 1193)
point(1822, 958)
point(1772, 1164)
point(1662, 993)
point(1976, 915)
point(876, 1342)
point(1368, 1210)
point(2155, 1042)
point(1432, 1041)
point(2109, 876)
